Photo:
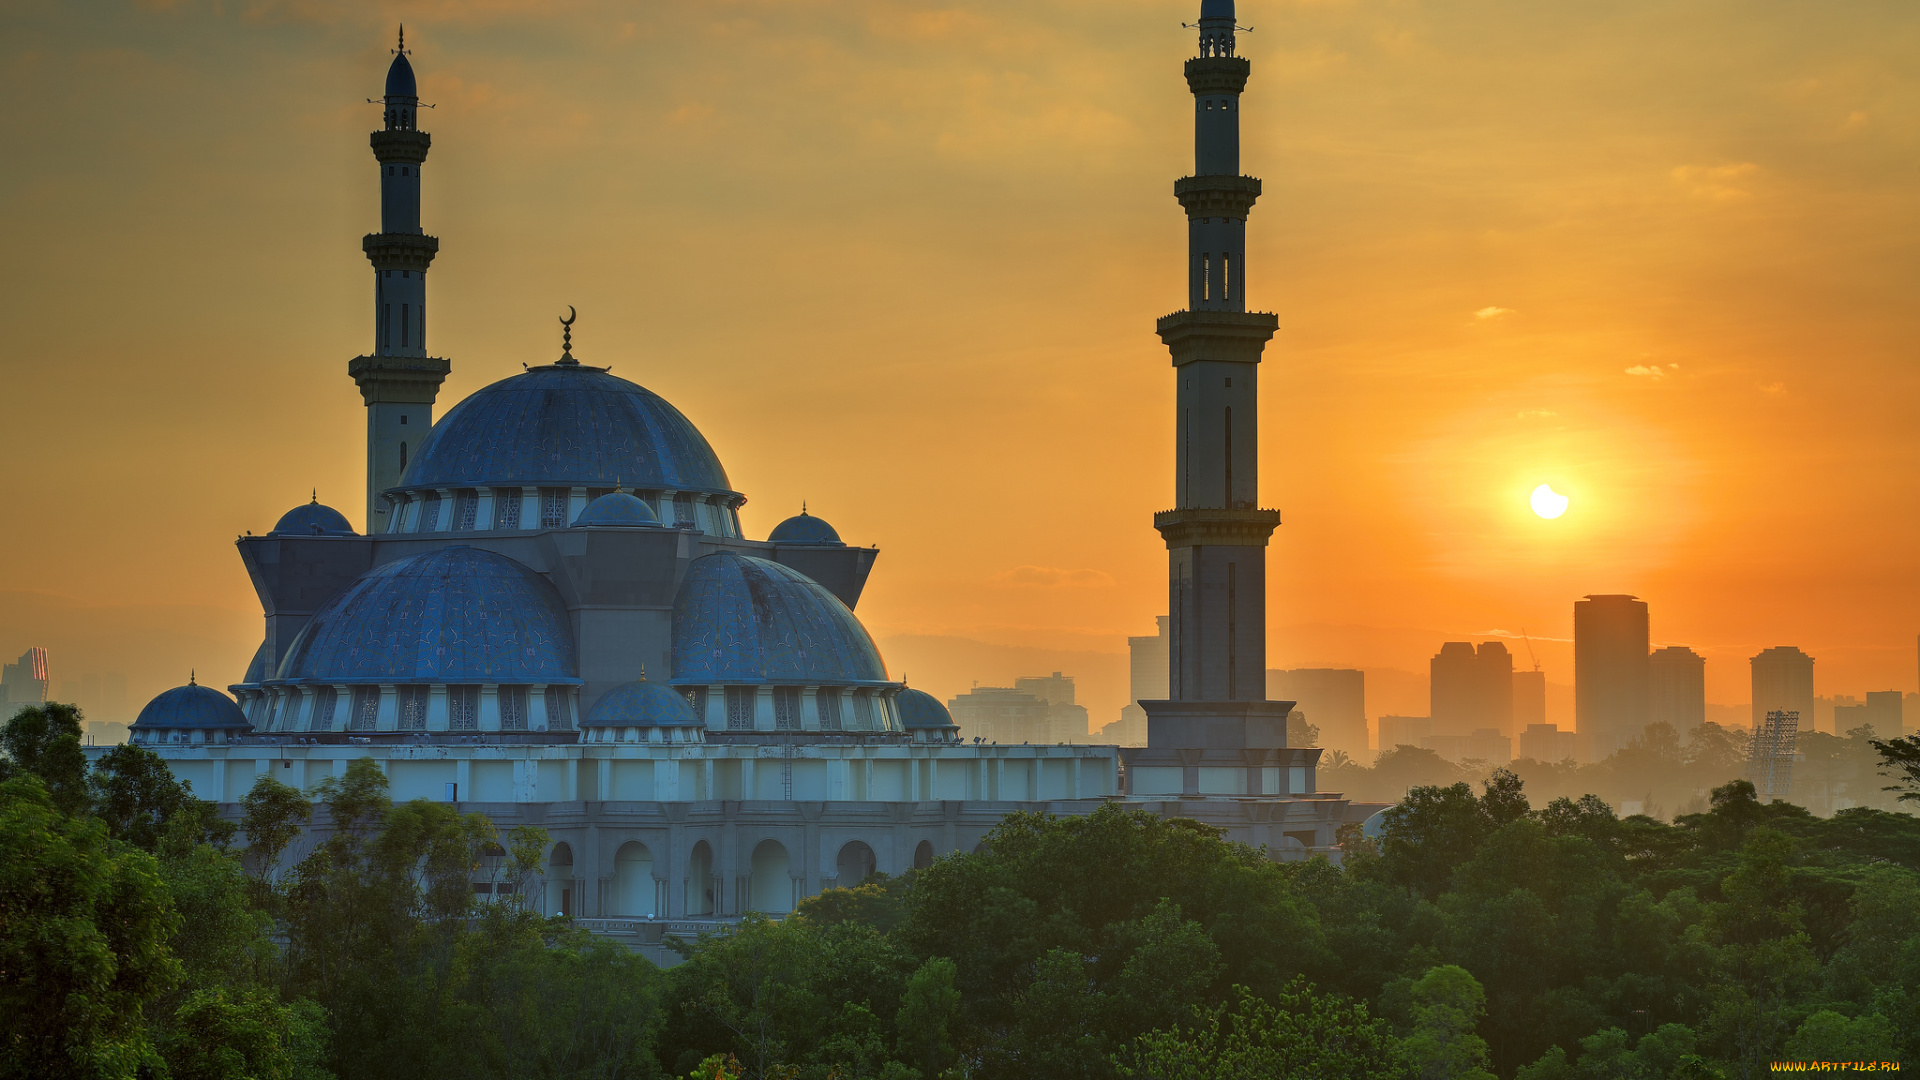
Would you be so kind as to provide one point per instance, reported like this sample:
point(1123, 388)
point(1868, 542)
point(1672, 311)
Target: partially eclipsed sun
point(1547, 503)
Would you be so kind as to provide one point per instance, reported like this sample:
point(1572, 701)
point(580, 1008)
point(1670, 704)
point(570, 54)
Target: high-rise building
point(1884, 713)
point(1677, 688)
point(1404, 731)
point(1146, 680)
point(1610, 671)
point(1529, 699)
point(1066, 721)
point(1546, 742)
point(1001, 714)
point(1332, 699)
point(24, 682)
point(1782, 682)
point(1471, 689)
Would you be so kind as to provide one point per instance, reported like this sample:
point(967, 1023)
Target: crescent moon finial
point(566, 336)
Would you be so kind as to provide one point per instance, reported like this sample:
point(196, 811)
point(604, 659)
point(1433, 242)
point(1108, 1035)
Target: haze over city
point(900, 261)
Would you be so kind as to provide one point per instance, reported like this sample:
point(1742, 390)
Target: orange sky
point(902, 260)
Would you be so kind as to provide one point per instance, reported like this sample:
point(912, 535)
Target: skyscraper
point(1677, 688)
point(1783, 681)
point(1471, 689)
point(1884, 713)
point(1610, 671)
point(1333, 699)
point(1146, 679)
point(1529, 699)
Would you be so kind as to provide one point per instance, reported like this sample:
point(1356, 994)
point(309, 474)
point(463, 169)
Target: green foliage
point(44, 741)
point(1831, 1036)
point(84, 926)
point(1447, 1005)
point(928, 1008)
point(273, 815)
point(136, 796)
point(1900, 759)
point(1300, 1036)
point(223, 1034)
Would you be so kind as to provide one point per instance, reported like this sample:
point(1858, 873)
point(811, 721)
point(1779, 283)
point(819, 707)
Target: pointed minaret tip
point(193, 677)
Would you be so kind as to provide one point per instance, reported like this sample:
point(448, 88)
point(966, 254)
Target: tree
point(223, 1034)
point(1832, 1036)
point(1447, 1006)
point(84, 927)
point(1302, 1035)
point(45, 740)
point(136, 795)
point(1900, 759)
point(273, 815)
point(927, 1013)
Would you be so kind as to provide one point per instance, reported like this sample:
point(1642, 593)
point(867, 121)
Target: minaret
point(397, 380)
point(1217, 729)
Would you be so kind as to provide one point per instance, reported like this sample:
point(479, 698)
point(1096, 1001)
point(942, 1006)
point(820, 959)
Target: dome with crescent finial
point(804, 528)
point(617, 510)
point(190, 713)
point(565, 425)
point(314, 519)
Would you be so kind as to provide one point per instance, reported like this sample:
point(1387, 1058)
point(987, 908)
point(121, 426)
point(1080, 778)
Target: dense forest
point(1478, 935)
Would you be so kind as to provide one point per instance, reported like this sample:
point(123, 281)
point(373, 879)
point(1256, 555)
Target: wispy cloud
point(1718, 183)
point(1492, 312)
point(1777, 389)
point(1656, 372)
point(1053, 577)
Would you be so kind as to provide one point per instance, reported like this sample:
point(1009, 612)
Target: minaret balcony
point(1202, 527)
point(1217, 196)
point(400, 147)
point(400, 251)
point(1218, 74)
point(1231, 336)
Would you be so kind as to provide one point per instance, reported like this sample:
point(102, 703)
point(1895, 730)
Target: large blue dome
point(565, 425)
point(454, 615)
point(189, 707)
point(738, 619)
point(314, 519)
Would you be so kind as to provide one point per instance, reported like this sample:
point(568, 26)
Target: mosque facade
point(555, 618)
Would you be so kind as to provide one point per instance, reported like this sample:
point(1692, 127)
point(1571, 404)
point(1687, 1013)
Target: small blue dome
point(453, 615)
point(617, 510)
point(400, 78)
point(191, 706)
point(313, 519)
point(738, 619)
point(565, 426)
point(919, 709)
point(804, 528)
point(641, 704)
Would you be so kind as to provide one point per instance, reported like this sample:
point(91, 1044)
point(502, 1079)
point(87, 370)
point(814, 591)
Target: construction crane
point(1529, 643)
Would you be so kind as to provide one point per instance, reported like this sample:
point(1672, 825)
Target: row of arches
point(640, 888)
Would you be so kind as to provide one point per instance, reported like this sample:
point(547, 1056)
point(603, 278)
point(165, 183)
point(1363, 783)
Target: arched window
point(855, 864)
point(771, 881)
point(700, 899)
point(560, 898)
point(923, 855)
point(633, 891)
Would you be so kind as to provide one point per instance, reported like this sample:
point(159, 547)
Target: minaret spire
point(1217, 733)
point(398, 380)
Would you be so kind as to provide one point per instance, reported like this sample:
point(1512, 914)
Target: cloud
point(1717, 183)
point(1491, 312)
point(1656, 372)
point(1855, 120)
point(1777, 389)
point(1053, 577)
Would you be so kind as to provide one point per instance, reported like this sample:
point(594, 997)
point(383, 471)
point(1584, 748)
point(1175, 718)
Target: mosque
point(554, 618)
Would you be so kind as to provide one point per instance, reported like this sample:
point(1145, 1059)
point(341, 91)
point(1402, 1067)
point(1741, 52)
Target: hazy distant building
point(1883, 713)
point(1404, 731)
point(1146, 680)
point(1783, 681)
point(1677, 688)
point(1529, 699)
point(1610, 671)
point(1066, 720)
point(24, 682)
point(1332, 699)
point(1546, 742)
point(1486, 744)
point(1001, 714)
point(1471, 689)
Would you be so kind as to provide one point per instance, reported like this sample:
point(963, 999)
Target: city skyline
point(1400, 530)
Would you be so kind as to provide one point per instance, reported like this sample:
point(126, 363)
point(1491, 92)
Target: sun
point(1548, 503)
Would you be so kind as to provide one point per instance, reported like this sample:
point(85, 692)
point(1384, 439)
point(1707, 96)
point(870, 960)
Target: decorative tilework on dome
point(738, 619)
point(919, 709)
point(804, 528)
point(457, 614)
point(617, 510)
point(641, 704)
point(313, 519)
point(565, 427)
point(188, 707)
